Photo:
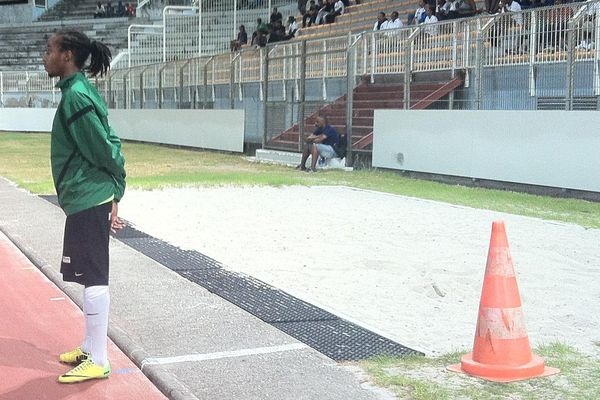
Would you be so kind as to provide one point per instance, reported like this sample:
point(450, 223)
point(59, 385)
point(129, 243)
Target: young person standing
point(89, 177)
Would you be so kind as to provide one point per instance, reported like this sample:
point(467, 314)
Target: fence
point(544, 58)
point(195, 31)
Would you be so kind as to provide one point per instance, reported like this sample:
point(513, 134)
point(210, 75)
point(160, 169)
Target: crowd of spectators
point(273, 31)
point(427, 12)
point(108, 11)
point(319, 12)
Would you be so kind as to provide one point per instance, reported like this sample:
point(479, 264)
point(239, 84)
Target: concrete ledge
point(292, 159)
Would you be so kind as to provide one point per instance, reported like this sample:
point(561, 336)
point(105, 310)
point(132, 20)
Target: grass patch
point(24, 159)
point(424, 378)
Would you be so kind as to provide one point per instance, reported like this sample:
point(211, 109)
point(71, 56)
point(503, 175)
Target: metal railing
point(194, 31)
point(544, 58)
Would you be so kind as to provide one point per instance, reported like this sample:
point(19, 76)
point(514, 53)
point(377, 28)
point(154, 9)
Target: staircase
point(366, 99)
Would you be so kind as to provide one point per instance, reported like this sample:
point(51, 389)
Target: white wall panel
point(549, 148)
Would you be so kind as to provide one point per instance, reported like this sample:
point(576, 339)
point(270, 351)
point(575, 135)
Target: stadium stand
point(21, 47)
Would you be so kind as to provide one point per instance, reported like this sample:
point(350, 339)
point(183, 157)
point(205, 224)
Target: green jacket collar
point(67, 82)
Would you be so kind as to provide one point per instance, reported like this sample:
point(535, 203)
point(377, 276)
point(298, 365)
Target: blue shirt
point(332, 139)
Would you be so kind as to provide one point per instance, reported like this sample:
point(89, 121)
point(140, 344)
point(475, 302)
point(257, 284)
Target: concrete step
point(292, 159)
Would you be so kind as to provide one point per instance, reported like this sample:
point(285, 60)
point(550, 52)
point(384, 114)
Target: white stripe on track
point(222, 354)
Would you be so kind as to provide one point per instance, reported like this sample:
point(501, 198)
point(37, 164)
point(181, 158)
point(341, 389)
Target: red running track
point(37, 322)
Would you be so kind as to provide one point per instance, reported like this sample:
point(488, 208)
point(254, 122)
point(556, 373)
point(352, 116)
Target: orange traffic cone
point(501, 351)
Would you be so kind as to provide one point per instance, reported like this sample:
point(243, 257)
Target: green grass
point(423, 378)
point(24, 159)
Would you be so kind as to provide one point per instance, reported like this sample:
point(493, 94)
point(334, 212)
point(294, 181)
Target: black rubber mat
point(332, 336)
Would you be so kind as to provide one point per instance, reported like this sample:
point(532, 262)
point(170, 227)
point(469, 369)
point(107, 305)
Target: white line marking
point(222, 354)
point(56, 298)
point(27, 268)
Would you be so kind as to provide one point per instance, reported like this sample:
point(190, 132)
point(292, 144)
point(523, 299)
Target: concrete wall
point(208, 129)
point(549, 148)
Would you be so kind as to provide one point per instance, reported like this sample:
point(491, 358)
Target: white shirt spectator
point(418, 14)
point(515, 7)
point(339, 7)
point(292, 28)
point(392, 24)
point(376, 27)
point(431, 29)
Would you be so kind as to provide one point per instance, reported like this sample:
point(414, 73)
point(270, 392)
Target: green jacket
point(88, 167)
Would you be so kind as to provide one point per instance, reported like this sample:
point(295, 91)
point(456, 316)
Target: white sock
point(85, 346)
point(96, 303)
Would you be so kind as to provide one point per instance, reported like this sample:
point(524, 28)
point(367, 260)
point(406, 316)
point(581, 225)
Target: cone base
point(503, 373)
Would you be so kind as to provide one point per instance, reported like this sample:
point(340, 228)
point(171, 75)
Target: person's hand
point(116, 223)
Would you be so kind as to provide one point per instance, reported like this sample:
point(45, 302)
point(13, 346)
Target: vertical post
point(324, 72)
point(570, 65)
point(374, 55)
point(532, 52)
point(142, 88)
point(350, 71)
point(596, 52)
point(205, 88)
point(302, 97)
point(234, 17)
point(125, 91)
point(408, 47)
point(129, 46)
point(165, 34)
point(454, 61)
point(160, 87)
point(232, 81)
point(265, 79)
point(199, 28)
point(180, 99)
point(2, 89)
point(479, 61)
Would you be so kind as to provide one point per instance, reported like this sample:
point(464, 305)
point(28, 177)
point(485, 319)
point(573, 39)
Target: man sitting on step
point(322, 143)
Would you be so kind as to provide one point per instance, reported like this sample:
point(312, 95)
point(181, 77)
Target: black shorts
point(85, 246)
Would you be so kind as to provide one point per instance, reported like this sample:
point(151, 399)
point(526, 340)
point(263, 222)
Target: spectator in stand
point(324, 11)
point(418, 17)
point(338, 9)
point(242, 39)
point(258, 24)
point(130, 10)
point(430, 18)
point(260, 40)
point(394, 22)
point(277, 32)
point(512, 6)
point(99, 12)
point(276, 16)
point(292, 27)
point(302, 7)
point(322, 143)
point(381, 20)
point(447, 9)
point(121, 10)
point(311, 14)
point(466, 8)
point(110, 11)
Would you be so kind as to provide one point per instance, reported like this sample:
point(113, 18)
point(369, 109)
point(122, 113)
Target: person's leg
point(86, 261)
point(315, 157)
point(96, 302)
point(305, 155)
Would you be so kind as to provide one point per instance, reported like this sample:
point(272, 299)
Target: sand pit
point(406, 268)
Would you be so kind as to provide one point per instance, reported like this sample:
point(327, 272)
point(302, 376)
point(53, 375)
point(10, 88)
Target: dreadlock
point(82, 47)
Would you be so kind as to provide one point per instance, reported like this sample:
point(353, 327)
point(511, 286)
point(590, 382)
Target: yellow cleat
point(74, 356)
point(84, 372)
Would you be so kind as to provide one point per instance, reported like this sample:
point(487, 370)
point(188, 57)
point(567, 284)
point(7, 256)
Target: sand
point(406, 268)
